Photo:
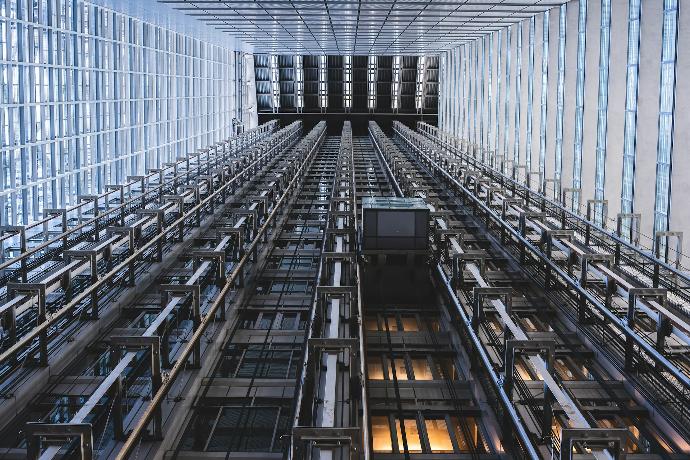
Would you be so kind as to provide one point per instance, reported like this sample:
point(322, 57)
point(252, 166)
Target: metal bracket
point(604, 436)
point(663, 326)
point(633, 229)
point(195, 291)
point(34, 430)
point(138, 342)
point(666, 236)
point(39, 289)
point(329, 436)
point(535, 346)
point(479, 294)
point(459, 261)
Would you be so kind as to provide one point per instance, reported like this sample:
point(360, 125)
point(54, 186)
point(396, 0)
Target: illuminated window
point(522, 370)
point(630, 134)
point(560, 91)
point(544, 95)
point(372, 77)
point(564, 370)
point(90, 96)
point(395, 86)
point(299, 82)
point(506, 113)
point(391, 323)
point(375, 368)
point(419, 87)
point(530, 93)
point(420, 367)
point(347, 82)
point(411, 435)
point(409, 323)
point(371, 323)
point(602, 107)
point(579, 102)
point(466, 432)
point(667, 100)
point(518, 94)
point(498, 89)
point(529, 325)
point(323, 83)
point(400, 369)
point(275, 83)
point(434, 325)
point(445, 368)
point(439, 437)
point(381, 434)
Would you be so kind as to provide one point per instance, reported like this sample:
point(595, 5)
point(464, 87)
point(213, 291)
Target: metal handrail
point(73, 230)
point(56, 316)
point(647, 255)
point(180, 363)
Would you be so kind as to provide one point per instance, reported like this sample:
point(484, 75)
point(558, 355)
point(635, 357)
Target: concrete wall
point(652, 15)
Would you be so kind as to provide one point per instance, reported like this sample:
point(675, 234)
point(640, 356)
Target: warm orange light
point(414, 445)
point(463, 442)
point(446, 368)
point(371, 323)
point(409, 323)
point(381, 434)
point(400, 370)
point(375, 368)
point(420, 366)
point(439, 438)
point(392, 323)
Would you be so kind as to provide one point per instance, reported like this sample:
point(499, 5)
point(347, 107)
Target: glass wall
point(89, 97)
point(607, 126)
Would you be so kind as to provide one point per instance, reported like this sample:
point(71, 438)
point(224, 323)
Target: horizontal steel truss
point(483, 195)
point(329, 352)
point(261, 211)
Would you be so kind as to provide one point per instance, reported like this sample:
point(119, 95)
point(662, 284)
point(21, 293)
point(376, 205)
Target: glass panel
point(381, 434)
point(411, 434)
point(666, 108)
point(439, 437)
point(579, 102)
point(560, 93)
point(409, 323)
point(518, 95)
point(246, 429)
point(371, 323)
point(288, 322)
point(392, 323)
point(530, 93)
point(564, 370)
point(466, 432)
point(375, 368)
point(602, 108)
point(400, 369)
point(420, 367)
point(544, 97)
point(445, 368)
point(506, 113)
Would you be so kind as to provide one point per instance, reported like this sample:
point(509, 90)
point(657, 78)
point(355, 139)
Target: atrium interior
point(344, 229)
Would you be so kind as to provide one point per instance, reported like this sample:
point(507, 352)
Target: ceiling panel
point(359, 27)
